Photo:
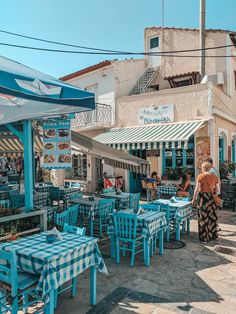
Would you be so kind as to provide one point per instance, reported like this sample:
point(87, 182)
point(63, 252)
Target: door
point(154, 47)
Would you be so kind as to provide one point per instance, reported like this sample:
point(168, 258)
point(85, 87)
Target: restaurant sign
point(156, 114)
point(57, 144)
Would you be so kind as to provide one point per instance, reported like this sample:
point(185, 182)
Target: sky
point(108, 24)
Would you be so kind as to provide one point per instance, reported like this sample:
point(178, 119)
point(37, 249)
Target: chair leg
point(147, 252)
point(112, 246)
point(161, 244)
point(123, 249)
point(15, 306)
point(177, 235)
point(73, 289)
point(3, 303)
point(25, 302)
point(133, 254)
point(55, 298)
point(152, 244)
point(117, 252)
point(168, 235)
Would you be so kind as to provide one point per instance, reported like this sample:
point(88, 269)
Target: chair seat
point(25, 280)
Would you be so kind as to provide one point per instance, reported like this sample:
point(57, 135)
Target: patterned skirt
point(207, 217)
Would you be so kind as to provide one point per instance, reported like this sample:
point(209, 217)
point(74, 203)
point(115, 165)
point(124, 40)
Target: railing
point(101, 116)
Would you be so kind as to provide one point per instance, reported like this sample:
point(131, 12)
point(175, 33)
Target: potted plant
point(226, 169)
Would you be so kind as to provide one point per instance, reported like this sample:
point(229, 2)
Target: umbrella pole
point(28, 165)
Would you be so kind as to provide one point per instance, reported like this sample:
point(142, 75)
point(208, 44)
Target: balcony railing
point(101, 116)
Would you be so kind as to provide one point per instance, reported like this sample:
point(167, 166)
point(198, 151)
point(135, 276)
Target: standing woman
point(207, 185)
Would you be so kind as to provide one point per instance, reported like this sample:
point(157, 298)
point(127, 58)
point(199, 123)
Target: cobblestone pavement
point(194, 279)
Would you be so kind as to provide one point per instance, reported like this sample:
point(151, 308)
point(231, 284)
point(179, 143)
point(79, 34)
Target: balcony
point(99, 118)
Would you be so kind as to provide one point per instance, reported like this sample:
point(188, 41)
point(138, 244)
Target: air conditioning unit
point(216, 78)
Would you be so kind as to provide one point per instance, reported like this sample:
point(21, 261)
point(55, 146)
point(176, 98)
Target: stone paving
point(194, 279)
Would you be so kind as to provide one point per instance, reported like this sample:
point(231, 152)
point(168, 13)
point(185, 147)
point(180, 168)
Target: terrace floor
point(193, 279)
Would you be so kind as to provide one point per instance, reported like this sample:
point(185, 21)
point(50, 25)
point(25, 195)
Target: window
point(183, 83)
point(79, 166)
point(175, 161)
point(154, 42)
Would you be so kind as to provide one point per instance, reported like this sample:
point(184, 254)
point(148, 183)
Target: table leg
point(91, 226)
point(50, 304)
point(161, 244)
point(93, 285)
point(147, 252)
point(43, 222)
point(177, 234)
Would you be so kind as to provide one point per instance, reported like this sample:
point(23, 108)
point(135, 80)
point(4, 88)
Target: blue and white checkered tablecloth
point(179, 210)
point(58, 262)
point(87, 207)
point(120, 198)
point(148, 223)
point(167, 190)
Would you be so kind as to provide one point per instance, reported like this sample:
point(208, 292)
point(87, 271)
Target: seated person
point(154, 184)
point(184, 188)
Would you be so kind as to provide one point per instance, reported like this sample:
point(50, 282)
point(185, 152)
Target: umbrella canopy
point(31, 94)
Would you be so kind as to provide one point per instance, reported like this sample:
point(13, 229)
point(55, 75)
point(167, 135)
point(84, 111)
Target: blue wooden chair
point(134, 201)
point(152, 207)
point(4, 204)
point(123, 203)
point(105, 209)
point(18, 284)
point(73, 215)
point(54, 194)
point(126, 234)
point(62, 218)
point(17, 200)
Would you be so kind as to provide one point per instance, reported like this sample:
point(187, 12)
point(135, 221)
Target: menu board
point(228, 193)
point(57, 144)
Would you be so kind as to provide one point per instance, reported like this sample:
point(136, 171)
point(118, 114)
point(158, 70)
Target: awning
point(26, 93)
point(10, 145)
point(111, 156)
point(169, 135)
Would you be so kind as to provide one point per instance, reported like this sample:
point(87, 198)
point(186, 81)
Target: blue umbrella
point(33, 95)
point(27, 94)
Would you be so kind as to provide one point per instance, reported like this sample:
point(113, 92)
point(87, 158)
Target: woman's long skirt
point(207, 217)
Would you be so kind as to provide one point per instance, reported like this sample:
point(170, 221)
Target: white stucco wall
point(190, 103)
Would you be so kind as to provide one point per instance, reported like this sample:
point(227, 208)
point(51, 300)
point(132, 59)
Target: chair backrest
point(62, 218)
point(54, 193)
point(104, 191)
point(8, 271)
point(73, 214)
point(17, 200)
point(124, 202)
point(4, 204)
point(125, 225)
point(152, 207)
point(106, 207)
point(134, 201)
point(74, 229)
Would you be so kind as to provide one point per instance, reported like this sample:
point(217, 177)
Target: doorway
point(154, 47)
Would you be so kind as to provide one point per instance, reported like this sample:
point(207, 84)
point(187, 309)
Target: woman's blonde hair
point(206, 166)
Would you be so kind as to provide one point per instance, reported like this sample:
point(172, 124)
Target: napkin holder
point(53, 235)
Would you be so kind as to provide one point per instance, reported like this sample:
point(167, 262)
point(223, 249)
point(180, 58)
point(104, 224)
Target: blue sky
point(108, 24)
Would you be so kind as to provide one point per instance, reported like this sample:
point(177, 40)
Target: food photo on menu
point(48, 146)
point(50, 133)
point(63, 132)
point(48, 159)
point(65, 158)
point(64, 146)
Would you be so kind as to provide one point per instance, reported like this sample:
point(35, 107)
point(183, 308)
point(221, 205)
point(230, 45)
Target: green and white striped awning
point(169, 135)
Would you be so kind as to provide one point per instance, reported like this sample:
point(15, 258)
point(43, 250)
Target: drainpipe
point(202, 37)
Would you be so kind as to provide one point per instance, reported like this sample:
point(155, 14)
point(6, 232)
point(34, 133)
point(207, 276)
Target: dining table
point(58, 262)
point(88, 207)
point(166, 190)
point(179, 211)
point(149, 224)
point(122, 199)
